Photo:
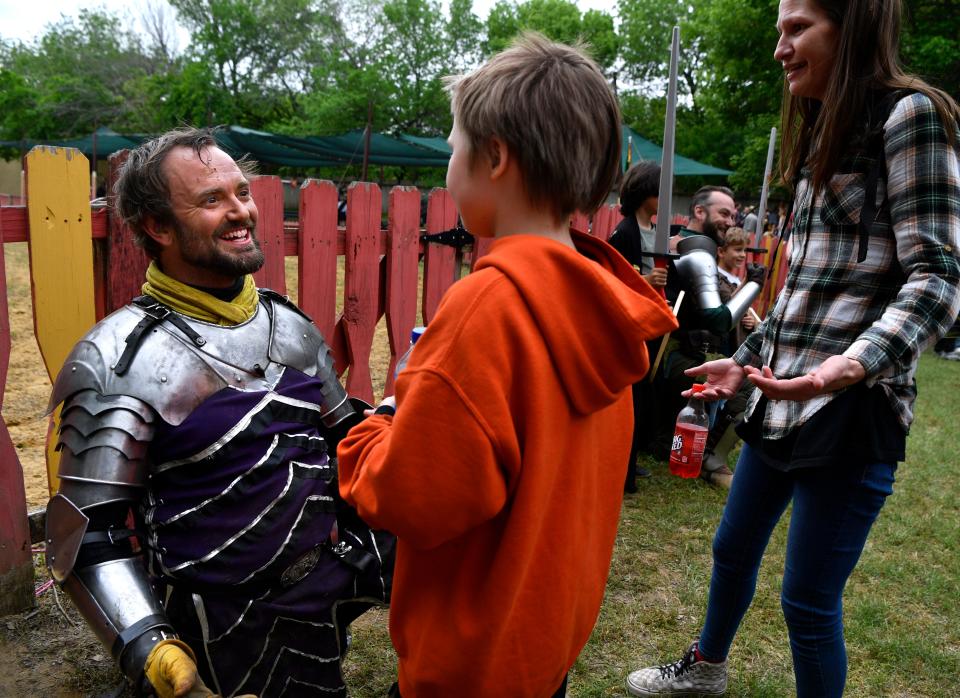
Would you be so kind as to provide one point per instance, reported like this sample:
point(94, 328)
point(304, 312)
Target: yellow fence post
point(61, 259)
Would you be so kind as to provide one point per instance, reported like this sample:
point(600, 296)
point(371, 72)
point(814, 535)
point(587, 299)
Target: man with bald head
point(207, 412)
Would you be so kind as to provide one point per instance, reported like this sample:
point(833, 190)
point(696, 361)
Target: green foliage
point(388, 64)
point(324, 66)
point(82, 73)
point(646, 27)
point(559, 20)
point(260, 52)
point(413, 63)
point(931, 42)
point(464, 33)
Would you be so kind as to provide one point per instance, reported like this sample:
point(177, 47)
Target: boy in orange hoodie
point(501, 471)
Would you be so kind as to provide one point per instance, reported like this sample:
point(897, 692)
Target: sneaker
point(722, 476)
point(950, 355)
point(686, 677)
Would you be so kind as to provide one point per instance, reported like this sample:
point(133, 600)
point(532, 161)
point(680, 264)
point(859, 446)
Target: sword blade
point(768, 168)
point(665, 201)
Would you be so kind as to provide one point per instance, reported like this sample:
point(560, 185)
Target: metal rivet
point(112, 366)
point(163, 379)
point(74, 369)
point(304, 335)
point(201, 341)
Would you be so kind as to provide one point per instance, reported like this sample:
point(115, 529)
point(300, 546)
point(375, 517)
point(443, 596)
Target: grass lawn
point(901, 605)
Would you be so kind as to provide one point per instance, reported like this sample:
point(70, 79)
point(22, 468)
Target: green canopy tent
point(317, 151)
point(438, 145)
point(101, 142)
point(640, 148)
point(347, 148)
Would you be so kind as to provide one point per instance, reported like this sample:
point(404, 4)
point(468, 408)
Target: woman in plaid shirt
point(873, 280)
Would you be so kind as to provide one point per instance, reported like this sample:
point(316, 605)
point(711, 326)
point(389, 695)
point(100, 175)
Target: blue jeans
point(833, 510)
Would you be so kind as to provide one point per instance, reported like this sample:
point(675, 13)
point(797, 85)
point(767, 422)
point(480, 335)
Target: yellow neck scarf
point(199, 305)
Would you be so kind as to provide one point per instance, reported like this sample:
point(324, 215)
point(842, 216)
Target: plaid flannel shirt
point(884, 310)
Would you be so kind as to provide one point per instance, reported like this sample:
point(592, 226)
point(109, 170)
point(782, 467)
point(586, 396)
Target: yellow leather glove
point(171, 669)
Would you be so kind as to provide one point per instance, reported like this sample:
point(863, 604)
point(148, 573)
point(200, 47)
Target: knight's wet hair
point(553, 108)
point(142, 193)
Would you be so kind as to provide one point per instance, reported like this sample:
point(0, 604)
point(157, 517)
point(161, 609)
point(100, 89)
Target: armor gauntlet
point(697, 268)
point(103, 442)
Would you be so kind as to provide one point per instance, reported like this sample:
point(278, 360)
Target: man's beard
point(712, 231)
point(202, 251)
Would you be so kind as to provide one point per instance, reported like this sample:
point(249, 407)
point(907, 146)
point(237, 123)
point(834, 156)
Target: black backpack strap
point(875, 144)
point(869, 211)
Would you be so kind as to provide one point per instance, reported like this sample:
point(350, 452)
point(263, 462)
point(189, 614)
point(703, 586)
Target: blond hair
point(735, 236)
point(553, 108)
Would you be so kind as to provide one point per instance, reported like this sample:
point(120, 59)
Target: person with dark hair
point(705, 318)
point(633, 236)
point(873, 157)
point(207, 411)
point(501, 468)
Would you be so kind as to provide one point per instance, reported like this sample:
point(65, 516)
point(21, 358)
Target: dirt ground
point(28, 385)
point(44, 652)
point(49, 651)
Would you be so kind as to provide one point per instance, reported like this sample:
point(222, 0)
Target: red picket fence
point(381, 278)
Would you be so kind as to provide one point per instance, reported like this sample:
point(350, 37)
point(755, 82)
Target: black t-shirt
point(856, 427)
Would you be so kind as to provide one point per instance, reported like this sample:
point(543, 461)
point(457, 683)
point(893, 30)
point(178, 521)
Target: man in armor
point(704, 319)
point(198, 527)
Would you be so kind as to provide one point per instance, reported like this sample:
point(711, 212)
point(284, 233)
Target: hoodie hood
point(594, 311)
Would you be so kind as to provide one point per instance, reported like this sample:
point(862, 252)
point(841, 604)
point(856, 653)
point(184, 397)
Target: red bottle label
point(686, 455)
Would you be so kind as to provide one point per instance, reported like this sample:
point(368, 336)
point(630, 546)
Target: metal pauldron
point(697, 268)
point(742, 300)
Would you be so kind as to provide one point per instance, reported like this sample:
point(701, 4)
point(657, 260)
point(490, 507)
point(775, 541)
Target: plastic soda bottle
point(690, 438)
point(402, 361)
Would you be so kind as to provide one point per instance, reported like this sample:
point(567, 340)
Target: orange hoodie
point(502, 471)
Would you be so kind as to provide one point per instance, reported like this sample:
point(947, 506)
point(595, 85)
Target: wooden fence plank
point(317, 253)
point(268, 195)
point(361, 284)
point(605, 219)
point(579, 221)
point(61, 258)
point(402, 271)
point(16, 564)
point(439, 261)
point(480, 247)
point(126, 262)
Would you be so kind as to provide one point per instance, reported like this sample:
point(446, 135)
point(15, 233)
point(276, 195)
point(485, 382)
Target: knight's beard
point(202, 251)
point(712, 231)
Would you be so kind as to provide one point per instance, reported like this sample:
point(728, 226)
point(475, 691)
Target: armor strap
point(156, 312)
point(271, 295)
point(112, 535)
point(128, 635)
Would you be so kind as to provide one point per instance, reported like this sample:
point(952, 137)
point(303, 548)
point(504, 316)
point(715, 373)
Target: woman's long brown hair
point(867, 66)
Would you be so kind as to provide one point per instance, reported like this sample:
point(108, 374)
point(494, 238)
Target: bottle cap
point(415, 334)
point(698, 388)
